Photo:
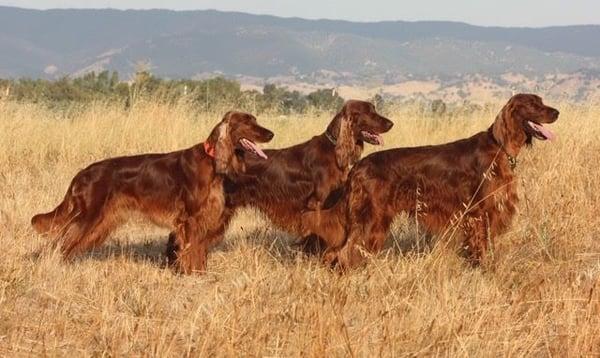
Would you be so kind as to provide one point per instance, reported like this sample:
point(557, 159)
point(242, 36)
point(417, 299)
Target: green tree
point(325, 100)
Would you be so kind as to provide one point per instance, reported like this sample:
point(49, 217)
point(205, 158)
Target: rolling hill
point(53, 43)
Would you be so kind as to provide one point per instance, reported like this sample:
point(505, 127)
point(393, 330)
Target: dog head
point(522, 119)
point(236, 135)
point(356, 123)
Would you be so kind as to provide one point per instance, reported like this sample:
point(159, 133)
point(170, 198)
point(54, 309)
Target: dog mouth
point(540, 132)
point(372, 137)
point(251, 147)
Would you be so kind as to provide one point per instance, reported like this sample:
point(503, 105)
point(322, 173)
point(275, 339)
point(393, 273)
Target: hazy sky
point(480, 12)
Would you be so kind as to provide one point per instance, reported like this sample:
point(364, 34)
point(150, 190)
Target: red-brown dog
point(306, 176)
point(467, 186)
point(182, 191)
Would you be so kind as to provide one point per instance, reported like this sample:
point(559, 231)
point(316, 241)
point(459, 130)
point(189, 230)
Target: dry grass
point(538, 295)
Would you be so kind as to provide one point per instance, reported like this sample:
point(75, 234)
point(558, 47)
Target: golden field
point(538, 295)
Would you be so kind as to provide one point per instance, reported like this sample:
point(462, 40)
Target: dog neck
point(512, 160)
point(331, 138)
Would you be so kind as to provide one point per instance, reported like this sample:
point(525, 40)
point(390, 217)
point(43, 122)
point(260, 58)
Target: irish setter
point(181, 190)
point(465, 187)
point(306, 176)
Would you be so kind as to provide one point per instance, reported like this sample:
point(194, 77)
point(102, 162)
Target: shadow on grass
point(280, 245)
point(288, 248)
point(151, 249)
point(408, 243)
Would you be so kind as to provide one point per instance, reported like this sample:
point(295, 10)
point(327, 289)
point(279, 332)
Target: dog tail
point(56, 219)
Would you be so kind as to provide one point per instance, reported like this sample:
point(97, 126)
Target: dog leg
point(364, 238)
point(191, 247)
point(476, 241)
point(172, 249)
point(95, 233)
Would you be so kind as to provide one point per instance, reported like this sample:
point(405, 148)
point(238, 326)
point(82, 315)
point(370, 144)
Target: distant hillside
point(199, 43)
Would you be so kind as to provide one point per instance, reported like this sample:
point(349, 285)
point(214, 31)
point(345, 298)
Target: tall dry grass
point(538, 295)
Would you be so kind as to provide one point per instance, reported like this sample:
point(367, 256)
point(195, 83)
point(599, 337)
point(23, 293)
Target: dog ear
point(500, 127)
point(220, 140)
point(344, 147)
point(507, 128)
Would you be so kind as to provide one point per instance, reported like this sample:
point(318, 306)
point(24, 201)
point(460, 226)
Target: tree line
point(205, 95)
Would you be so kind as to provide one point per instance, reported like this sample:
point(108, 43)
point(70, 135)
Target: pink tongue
point(374, 136)
point(545, 131)
point(256, 149)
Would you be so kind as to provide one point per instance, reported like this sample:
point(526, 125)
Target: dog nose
point(555, 113)
point(388, 124)
point(270, 136)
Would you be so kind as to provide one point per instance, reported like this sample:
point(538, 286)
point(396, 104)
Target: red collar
point(209, 149)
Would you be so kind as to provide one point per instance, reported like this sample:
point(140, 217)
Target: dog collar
point(512, 161)
point(209, 149)
point(331, 138)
